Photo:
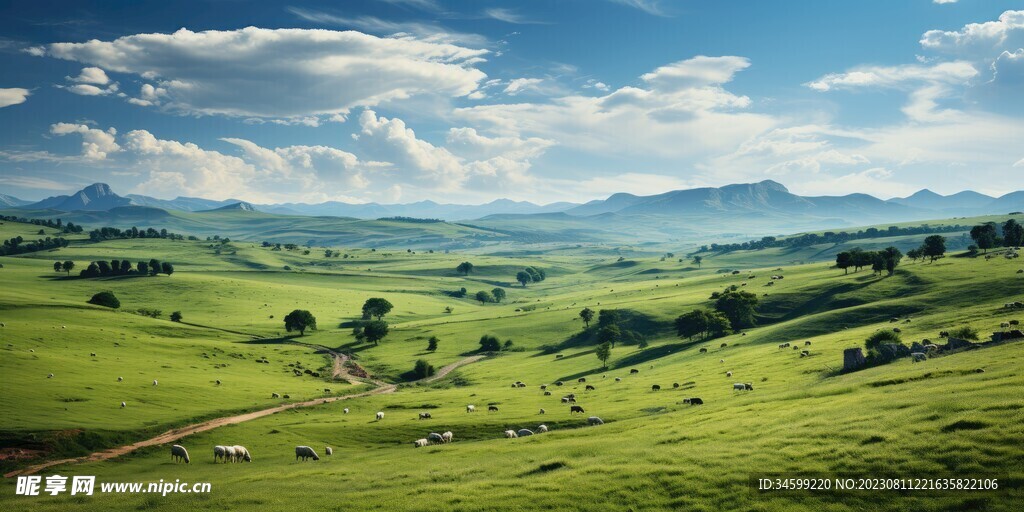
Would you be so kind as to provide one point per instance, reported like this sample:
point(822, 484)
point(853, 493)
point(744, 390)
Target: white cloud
point(507, 15)
point(13, 96)
point(372, 24)
point(699, 71)
point(96, 144)
point(975, 38)
point(896, 76)
point(470, 144)
point(91, 76)
point(519, 85)
point(1020, 163)
point(876, 181)
point(648, 6)
point(283, 73)
point(944, 1)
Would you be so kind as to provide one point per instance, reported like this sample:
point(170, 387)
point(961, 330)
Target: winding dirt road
point(178, 433)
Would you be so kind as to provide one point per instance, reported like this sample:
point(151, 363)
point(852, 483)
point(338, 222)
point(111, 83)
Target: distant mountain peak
point(239, 206)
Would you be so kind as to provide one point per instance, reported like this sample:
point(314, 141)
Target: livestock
point(420, 443)
point(50, 376)
point(618, 379)
point(703, 350)
point(655, 388)
point(565, 399)
point(275, 395)
point(675, 384)
point(807, 343)
point(547, 393)
point(328, 450)
point(219, 453)
point(543, 386)
point(559, 383)
point(542, 411)
point(724, 345)
point(178, 452)
point(380, 415)
point(590, 388)
point(155, 382)
point(721, 360)
point(286, 396)
point(897, 330)
point(123, 405)
point(120, 379)
point(470, 408)
point(573, 409)
point(510, 434)
point(805, 353)
point(492, 408)
point(242, 454)
point(1004, 325)
point(326, 390)
point(345, 410)
point(306, 452)
point(728, 374)
point(92, 354)
point(424, 415)
point(543, 428)
point(694, 401)
point(742, 386)
point(524, 432)
point(918, 356)
point(434, 437)
point(634, 371)
point(229, 453)
point(594, 420)
point(581, 380)
point(447, 436)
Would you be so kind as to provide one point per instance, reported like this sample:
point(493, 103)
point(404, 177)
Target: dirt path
point(178, 433)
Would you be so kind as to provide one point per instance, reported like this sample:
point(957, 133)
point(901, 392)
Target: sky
point(539, 100)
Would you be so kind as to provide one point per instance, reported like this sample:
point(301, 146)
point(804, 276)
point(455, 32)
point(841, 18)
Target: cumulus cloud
point(96, 143)
point(895, 76)
point(13, 96)
point(978, 38)
point(91, 75)
point(282, 73)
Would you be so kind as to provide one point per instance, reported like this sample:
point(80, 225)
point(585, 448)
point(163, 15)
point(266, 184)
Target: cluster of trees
point(373, 331)
point(495, 295)
point(422, 369)
point(17, 245)
point(531, 275)
point(831, 237)
point(885, 260)
point(733, 309)
point(987, 235)
point(610, 331)
point(50, 223)
point(108, 233)
point(490, 343)
point(117, 268)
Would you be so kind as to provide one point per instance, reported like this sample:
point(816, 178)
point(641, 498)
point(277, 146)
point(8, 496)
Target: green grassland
point(936, 418)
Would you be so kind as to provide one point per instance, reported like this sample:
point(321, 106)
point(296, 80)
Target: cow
point(655, 388)
point(492, 408)
point(634, 371)
point(581, 380)
point(424, 415)
point(590, 388)
point(694, 401)
point(575, 409)
point(703, 350)
point(918, 356)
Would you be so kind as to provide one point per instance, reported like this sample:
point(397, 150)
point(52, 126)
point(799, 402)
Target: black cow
point(424, 415)
point(573, 409)
point(695, 401)
point(590, 388)
point(492, 408)
point(655, 388)
point(634, 371)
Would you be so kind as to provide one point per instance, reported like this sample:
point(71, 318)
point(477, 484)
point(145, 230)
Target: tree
point(984, 235)
point(609, 334)
point(523, 277)
point(1013, 233)
point(423, 369)
point(738, 307)
point(535, 275)
point(607, 317)
point(154, 267)
point(106, 299)
point(916, 254)
point(718, 324)
point(891, 256)
point(464, 268)
point(489, 343)
point(376, 307)
point(964, 333)
point(507, 346)
point(878, 263)
point(844, 260)
point(126, 266)
point(604, 351)
point(176, 316)
point(934, 247)
point(143, 267)
point(702, 322)
point(587, 315)
point(879, 338)
point(299, 320)
point(57, 267)
point(484, 296)
point(104, 267)
point(499, 294)
point(167, 268)
point(375, 331)
point(432, 344)
point(698, 260)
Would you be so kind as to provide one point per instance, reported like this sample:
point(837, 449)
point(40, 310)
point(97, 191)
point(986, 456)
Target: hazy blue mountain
point(240, 206)
point(1012, 202)
point(968, 200)
point(7, 201)
point(185, 204)
point(95, 197)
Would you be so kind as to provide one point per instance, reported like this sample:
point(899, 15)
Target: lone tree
point(176, 316)
point(523, 277)
point(489, 343)
point(934, 247)
point(375, 331)
point(377, 308)
point(106, 299)
point(423, 369)
point(484, 296)
point(604, 351)
point(587, 315)
point(299, 320)
point(698, 260)
point(609, 334)
point(499, 294)
point(985, 235)
point(432, 344)
point(880, 338)
point(738, 307)
point(464, 268)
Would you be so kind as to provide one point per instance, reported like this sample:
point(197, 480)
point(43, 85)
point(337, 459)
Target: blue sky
point(403, 100)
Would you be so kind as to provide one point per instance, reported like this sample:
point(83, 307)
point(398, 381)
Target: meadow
point(940, 417)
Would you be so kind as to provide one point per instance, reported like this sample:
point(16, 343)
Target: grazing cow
point(179, 453)
point(805, 353)
point(594, 420)
point(897, 330)
point(559, 383)
point(154, 382)
point(918, 356)
point(543, 428)
point(742, 386)
point(447, 436)
point(380, 415)
point(547, 393)
point(807, 343)
point(515, 385)
point(543, 386)
point(782, 346)
point(565, 399)
point(424, 415)
point(434, 437)
point(345, 410)
point(796, 347)
point(581, 380)
point(328, 450)
point(703, 350)
point(728, 374)
point(573, 409)
point(305, 452)
point(655, 388)
point(675, 384)
point(93, 354)
point(470, 408)
point(219, 453)
point(49, 376)
point(242, 454)
point(695, 401)
point(275, 395)
point(120, 379)
point(217, 382)
point(524, 432)
point(492, 408)
point(1004, 325)
point(721, 360)
point(541, 411)
point(510, 434)
point(634, 371)
point(618, 379)
point(724, 345)
point(590, 388)
point(123, 405)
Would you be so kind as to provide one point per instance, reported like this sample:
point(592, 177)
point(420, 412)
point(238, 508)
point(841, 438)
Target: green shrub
point(106, 299)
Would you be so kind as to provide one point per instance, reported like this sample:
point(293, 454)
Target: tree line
point(987, 236)
point(808, 239)
point(115, 267)
point(109, 233)
point(18, 245)
point(50, 223)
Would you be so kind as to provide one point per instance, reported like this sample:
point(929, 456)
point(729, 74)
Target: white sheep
point(306, 453)
point(345, 410)
point(328, 450)
point(470, 408)
point(229, 453)
point(50, 376)
point(275, 395)
point(510, 434)
point(420, 443)
point(155, 382)
point(594, 420)
point(380, 415)
point(242, 454)
point(219, 453)
point(728, 374)
point(120, 379)
point(178, 452)
point(542, 428)
point(123, 405)
point(447, 436)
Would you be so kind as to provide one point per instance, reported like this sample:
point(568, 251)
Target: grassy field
point(940, 417)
